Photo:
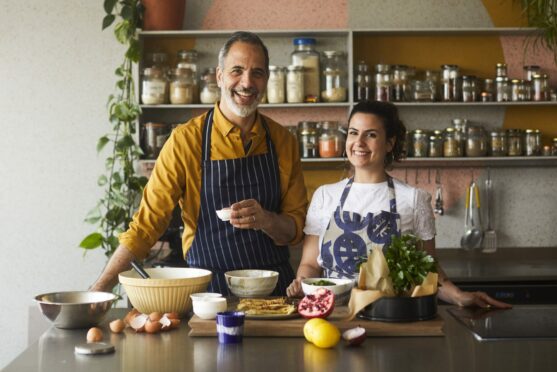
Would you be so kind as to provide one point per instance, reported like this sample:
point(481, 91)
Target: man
point(231, 156)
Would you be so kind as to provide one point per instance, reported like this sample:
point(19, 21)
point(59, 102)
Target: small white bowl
point(341, 289)
point(204, 295)
point(208, 307)
point(224, 214)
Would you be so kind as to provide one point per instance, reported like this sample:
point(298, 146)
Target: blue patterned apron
point(217, 245)
point(349, 236)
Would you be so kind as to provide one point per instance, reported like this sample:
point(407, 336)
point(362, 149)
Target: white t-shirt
point(413, 205)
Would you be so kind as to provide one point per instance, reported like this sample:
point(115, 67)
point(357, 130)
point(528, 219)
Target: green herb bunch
point(408, 263)
point(123, 187)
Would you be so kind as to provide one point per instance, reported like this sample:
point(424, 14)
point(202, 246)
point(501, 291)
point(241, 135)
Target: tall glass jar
point(331, 141)
point(533, 142)
point(188, 59)
point(540, 87)
point(182, 88)
point(476, 142)
point(432, 77)
point(435, 146)
point(383, 83)
point(295, 84)
point(519, 90)
point(420, 143)
point(461, 132)
point(362, 83)
point(503, 89)
point(469, 92)
point(451, 145)
point(450, 82)
point(334, 84)
point(153, 86)
point(306, 56)
point(498, 143)
point(399, 83)
point(276, 85)
point(308, 138)
point(515, 139)
point(210, 91)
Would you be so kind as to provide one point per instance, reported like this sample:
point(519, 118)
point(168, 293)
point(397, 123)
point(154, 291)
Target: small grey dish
point(94, 348)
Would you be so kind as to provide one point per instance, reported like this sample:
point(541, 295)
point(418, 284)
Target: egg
point(117, 326)
point(138, 322)
point(152, 326)
point(129, 316)
point(172, 315)
point(155, 316)
point(94, 335)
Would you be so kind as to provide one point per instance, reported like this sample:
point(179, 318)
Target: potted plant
point(542, 14)
point(123, 187)
point(163, 14)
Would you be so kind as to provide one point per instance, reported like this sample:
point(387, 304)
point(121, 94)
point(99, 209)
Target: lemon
point(310, 326)
point(325, 335)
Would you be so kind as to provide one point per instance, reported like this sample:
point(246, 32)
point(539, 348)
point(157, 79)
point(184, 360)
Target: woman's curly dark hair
point(394, 127)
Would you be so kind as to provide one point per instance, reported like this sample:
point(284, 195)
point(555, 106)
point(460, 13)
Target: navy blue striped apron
point(349, 236)
point(217, 245)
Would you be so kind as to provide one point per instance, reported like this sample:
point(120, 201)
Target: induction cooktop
point(526, 322)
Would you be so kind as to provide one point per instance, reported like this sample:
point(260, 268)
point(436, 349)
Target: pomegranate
point(320, 304)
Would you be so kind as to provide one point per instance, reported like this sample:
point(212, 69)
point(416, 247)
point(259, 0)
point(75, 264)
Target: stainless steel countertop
point(506, 264)
point(176, 351)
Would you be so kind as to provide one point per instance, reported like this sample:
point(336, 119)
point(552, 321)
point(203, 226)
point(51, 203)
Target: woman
point(346, 217)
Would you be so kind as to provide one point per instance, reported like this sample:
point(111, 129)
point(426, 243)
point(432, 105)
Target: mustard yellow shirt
point(176, 178)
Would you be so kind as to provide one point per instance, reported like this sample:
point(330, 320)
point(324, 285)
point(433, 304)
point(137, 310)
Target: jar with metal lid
point(308, 137)
point(540, 87)
point(362, 83)
point(432, 77)
point(530, 71)
point(435, 145)
point(450, 75)
point(210, 91)
point(422, 91)
point(533, 142)
point(515, 138)
point(501, 70)
point(451, 146)
point(420, 143)
point(188, 59)
point(182, 88)
point(469, 92)
point(498, 143)
point(476, 142)
point(306, 56)
point(159, 60)
point(334, 86)
point(461, 132)
point(331, 141)
point(503, 89)
point(295, 84)
point(155, 136)
point(554, 147)
point(276, 85)
point(383, 83)
point(518, 90)
point(153, 86)
point(399, 83)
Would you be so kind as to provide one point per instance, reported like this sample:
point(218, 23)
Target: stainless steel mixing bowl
point(79, 309)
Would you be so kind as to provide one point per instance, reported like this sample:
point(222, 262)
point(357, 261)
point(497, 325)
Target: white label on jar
point(180, 94)
point(153, 92)
point(275, 90)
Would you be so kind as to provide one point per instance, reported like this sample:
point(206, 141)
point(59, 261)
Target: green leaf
point(92, 241)
point(109, 6)
point(102, 180)
point(121, 32)
point(107, 21)
point(101, 143)
point(127, 12)
point(119, 71)
point(133, 52)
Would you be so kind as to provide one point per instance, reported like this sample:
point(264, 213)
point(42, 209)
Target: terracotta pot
point(163, 14)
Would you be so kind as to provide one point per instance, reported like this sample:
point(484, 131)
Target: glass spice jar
point(295, 84)
point(540, 87)
point(422, 91)
point(276, 85)
point(554, 147)
point(210, 91)
point(436, 146)
point(383, 83)
point(362, 84)
point(331, 142)
point(307, 57)
point(334, 84)
point(188, 59)
point(461, 132)
point(533, 142)
point(476, 142)
point(501, 70)
point(156, 135)
point(451, 145)
point(469, 93)
point(399, 83)
point(153, 86)
point(308, 138)
point(420, 143)
point(182, 88)
point(515, 138)
point(498, 143)
point(530, 71)
point(450, 75)
point(503, 89)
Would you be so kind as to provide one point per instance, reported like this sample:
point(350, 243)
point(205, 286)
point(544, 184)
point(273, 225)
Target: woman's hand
point(480, 299)
point(295, 288)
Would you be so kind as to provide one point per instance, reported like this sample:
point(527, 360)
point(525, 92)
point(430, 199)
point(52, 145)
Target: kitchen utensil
point(438, 195)
point(341, 288)
point(473, 234)
point(401, 309)
point(490, 236)
point(251, 283)
point(137, 267)
point(77, 309)
point(94, 348)
point(230, 327)
point(168, 290)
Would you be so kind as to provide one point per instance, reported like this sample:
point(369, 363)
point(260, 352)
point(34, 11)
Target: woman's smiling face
point(366, 142)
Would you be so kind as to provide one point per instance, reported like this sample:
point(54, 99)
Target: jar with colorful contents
point(515, 138)
point(308, 137)
point(476, 142)
point(307, 57)
point(420, 143)
point(498, 143)
point(362, 84)
point(182, 90)
point(295, 84)
point(451, 145)
point(153, 86)
point(383, 83)
point(210, 91)
point(276, 85)
point(331, 141)
point(334, 84)
point(533, 142)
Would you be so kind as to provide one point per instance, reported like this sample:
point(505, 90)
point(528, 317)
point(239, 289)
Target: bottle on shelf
point(210, 91)
point(306, 56)
point(334, 83)
point(188, 59)
point(362, 83)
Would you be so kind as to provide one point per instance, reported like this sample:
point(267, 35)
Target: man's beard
point(238, 110)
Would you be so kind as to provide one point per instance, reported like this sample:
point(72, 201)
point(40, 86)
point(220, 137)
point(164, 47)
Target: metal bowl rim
point(39, 299)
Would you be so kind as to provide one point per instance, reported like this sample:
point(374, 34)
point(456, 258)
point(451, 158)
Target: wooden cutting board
point(294, 327)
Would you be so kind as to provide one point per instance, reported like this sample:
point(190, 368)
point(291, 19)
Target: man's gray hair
point(245, 37)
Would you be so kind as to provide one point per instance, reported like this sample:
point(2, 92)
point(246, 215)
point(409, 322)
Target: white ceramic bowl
point(208, 307)
point(224, 214)
point(203, 295)
point(251, 283)
point(341, 289)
